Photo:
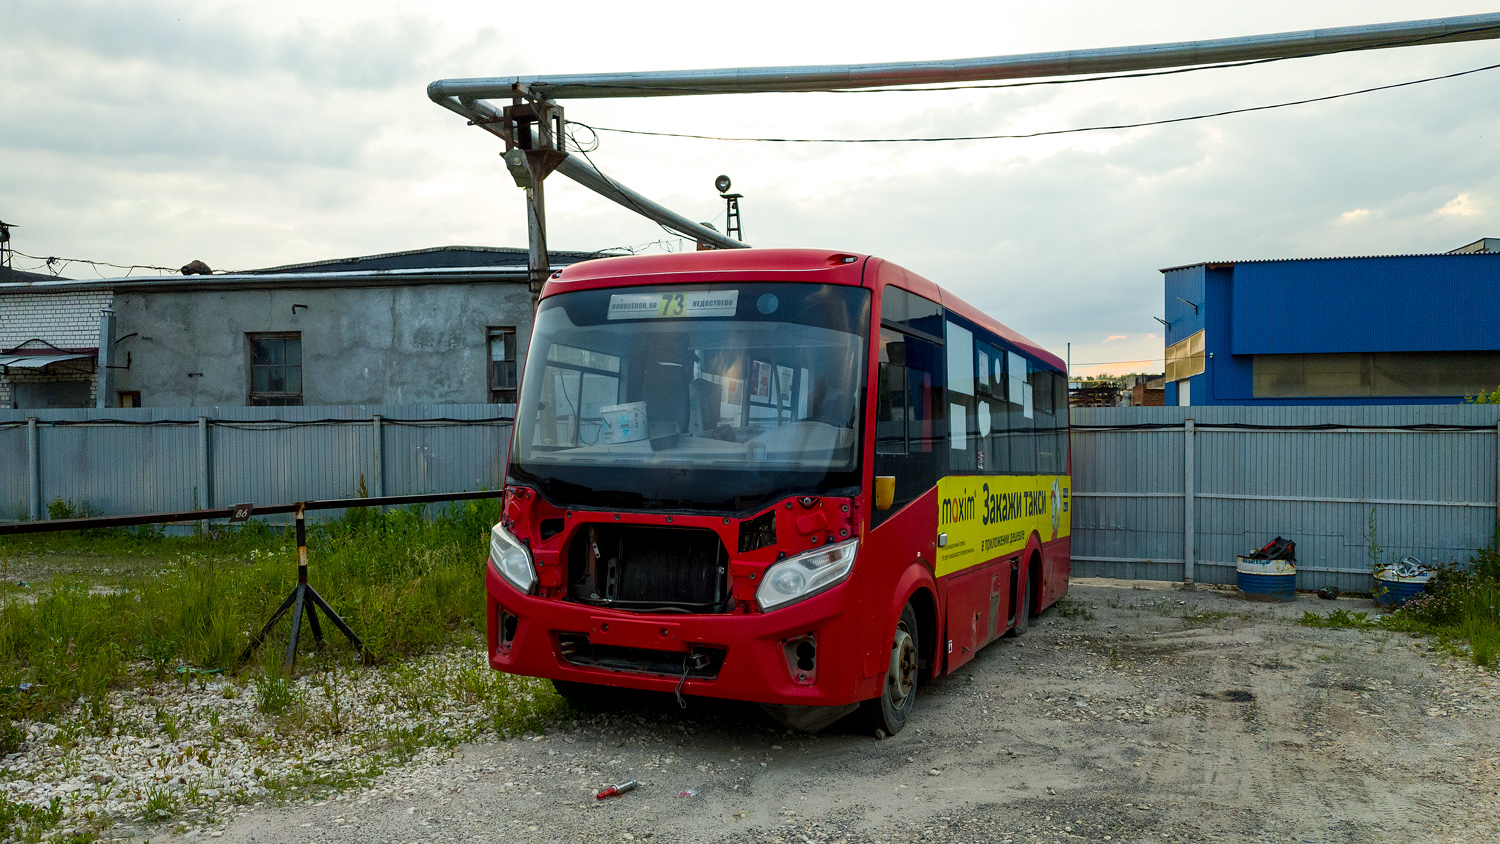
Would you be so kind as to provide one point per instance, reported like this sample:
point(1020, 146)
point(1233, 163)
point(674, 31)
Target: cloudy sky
point(255, 134)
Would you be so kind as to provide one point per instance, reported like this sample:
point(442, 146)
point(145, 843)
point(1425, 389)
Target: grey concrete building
point(442, 326)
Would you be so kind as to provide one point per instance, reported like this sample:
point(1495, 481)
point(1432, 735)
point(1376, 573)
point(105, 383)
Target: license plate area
point(697, 661)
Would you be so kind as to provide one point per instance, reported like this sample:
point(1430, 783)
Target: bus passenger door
point(909, 418)
point(908, 433)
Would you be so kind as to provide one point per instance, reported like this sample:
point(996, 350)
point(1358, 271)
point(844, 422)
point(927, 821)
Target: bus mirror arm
point(885, 491)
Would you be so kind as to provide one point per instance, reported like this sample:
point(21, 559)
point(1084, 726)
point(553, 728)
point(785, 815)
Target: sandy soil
point(1139, 713)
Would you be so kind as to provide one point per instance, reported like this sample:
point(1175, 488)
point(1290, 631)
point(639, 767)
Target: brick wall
point(68, 320)
point(65, 319)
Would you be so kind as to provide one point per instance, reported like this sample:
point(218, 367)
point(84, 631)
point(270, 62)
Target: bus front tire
point(890, 711)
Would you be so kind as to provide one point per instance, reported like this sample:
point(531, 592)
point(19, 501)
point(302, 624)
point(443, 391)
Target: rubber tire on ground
point(584, 697)
point(1023, 613)
point(890, 711)
point(1033, 593)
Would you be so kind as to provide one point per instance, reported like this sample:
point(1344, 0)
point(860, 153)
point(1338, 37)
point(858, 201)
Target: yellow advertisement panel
point(989, 516)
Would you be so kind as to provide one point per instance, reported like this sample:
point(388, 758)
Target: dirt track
point(1168, 716)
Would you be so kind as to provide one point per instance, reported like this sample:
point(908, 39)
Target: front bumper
point(752, 657)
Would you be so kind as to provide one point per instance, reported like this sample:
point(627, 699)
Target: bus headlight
point(805, 575)
point(512, 560)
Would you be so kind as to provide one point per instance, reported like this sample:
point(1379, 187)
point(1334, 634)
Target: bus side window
point(923, 453)
point(997, 444)
point(1060, 402)
point(1020, 399)
point(963, 417)
point(1046, 425)
point(891, 405)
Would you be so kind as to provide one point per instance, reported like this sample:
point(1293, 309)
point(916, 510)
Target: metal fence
point(1173, 493)
point(1160, 493)
point(146, 460)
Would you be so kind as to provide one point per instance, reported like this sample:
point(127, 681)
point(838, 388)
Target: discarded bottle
point(616, 790)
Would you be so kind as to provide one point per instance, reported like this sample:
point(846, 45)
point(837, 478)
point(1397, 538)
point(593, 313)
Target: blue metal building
point(1404, 329)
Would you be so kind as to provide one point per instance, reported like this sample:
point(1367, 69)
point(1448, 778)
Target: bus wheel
point(1031, 596)
point(1023, 614)
point(899, 692)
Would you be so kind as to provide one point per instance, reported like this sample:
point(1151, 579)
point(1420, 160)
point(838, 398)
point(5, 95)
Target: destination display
point(682, 304)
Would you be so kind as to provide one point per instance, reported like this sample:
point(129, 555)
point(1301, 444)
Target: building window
point(129, 398)
point(275, 369)
point(1370, 374)
point(1185, 358)
point(502, 365)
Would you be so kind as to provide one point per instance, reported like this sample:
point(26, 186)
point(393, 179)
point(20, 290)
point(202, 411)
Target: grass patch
point(405, 582)
point(160, 805)
point(1071, 608)
point(1461, 610)
point(1339, 620)
point(1462, 613)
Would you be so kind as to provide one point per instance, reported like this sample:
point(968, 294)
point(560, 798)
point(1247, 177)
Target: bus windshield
point(719, 397)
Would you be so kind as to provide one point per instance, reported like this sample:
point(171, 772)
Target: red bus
point(801, 478)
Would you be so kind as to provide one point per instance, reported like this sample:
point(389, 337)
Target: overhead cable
point(1044, 133)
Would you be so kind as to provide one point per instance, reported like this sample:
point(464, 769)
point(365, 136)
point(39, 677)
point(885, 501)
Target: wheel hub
point(903, 673)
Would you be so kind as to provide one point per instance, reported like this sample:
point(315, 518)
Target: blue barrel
point(1266, 580)
point(1394, 590)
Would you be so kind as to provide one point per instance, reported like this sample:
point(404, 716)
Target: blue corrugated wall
point(1419, 303)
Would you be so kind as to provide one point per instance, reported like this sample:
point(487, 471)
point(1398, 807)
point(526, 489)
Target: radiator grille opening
point(649, 569)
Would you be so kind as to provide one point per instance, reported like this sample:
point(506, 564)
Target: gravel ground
point(1138, 713)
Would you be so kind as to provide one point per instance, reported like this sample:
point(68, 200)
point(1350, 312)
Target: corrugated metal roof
point(436, 265)
point(38, 361)
point(432, 258)
point(10, 275)
point(252, 281)
point(1218, 264)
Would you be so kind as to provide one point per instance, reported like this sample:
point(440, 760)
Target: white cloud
point(1460, 206)
point(157, 131)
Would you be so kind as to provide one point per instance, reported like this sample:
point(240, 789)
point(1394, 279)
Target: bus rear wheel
point(889, 712)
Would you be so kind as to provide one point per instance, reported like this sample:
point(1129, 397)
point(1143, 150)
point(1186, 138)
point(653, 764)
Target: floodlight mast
point(466, 96)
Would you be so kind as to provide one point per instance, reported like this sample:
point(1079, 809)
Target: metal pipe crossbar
point(804, 78)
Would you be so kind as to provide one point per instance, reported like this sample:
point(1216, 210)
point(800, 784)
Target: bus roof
point(818, 266)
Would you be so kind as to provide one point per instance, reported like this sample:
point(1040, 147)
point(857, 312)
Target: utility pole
point(533, 135)
point(5, 255)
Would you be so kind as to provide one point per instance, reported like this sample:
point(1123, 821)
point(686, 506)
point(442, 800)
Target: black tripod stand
point(303, 596)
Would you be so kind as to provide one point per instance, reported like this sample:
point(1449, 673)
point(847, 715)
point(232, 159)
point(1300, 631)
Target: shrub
point(1460, 607)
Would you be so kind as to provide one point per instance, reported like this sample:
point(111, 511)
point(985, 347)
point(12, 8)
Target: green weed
point(274, 695)
point(1071, 608)
point(404, 582)
point(169, 724)
point(1338, 619)
point(28, 823)
point(402, 743)
point(160, 804)
point(1461, 608)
